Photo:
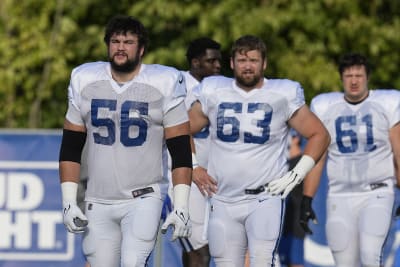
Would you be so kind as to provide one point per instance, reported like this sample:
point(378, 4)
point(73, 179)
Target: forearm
point(397, 170)
point(69, 171)
point(182, 175)
point(313, 178)
point(317, 145)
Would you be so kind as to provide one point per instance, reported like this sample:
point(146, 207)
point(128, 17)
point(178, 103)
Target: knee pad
point(216, 238)
point(376, 221)
point(336, 241)
point(88, 244)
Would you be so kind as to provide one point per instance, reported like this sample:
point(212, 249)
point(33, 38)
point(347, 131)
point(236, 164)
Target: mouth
point(120, 55)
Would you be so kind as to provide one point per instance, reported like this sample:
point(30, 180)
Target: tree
point(42, 41)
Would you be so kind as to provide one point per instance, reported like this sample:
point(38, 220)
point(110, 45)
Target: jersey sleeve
point(390, 100)
point(191, 97)
point(322, 103)
point(73, 112)
point(174, 109)
point(298, 100)
point(290, 90)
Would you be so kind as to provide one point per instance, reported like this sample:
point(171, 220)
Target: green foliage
point(42, 41)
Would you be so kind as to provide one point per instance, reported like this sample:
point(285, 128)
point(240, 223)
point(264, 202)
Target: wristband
point(195, 163)
point(181, 195)
point(305, 164)
point(69, 192)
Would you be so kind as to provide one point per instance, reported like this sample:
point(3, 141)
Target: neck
point(356, 101)
point(122, 77)
point(246, 88)
point(195, 75)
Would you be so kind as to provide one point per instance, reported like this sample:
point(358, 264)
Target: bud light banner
point(32, 233)
point(31, 222)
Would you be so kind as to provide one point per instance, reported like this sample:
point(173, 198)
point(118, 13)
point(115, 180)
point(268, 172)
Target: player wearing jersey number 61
point(129, 112)
point(362, 162)
point(249, 119)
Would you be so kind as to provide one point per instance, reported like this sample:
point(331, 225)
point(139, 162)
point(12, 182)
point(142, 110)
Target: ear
point(231, 63)
point(265, 64)
point(141, 51)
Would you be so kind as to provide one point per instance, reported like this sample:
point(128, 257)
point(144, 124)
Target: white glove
point(74, 219)
point(179, 217)
point(286, 183)
point(180, 221)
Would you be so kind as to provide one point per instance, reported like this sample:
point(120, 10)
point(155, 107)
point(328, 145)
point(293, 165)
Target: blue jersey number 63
point(234, 123)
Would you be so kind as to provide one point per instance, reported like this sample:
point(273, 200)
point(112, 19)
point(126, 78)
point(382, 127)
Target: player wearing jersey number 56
point(130, 112)
point(363, 162)
point(249, 119)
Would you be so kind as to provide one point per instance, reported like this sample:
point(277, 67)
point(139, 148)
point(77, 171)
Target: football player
point(249, 118)
point(129, 112)
point(362, 162)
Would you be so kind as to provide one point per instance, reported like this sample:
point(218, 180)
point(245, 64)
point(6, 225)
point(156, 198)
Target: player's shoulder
point(190, 81)
point(216, 82)
point(90, 69)
point(163, 78)
point(286, 88)
point(388, 99)
point(161, 71)
point(329, 97)
point(323, 101)
point(281, 84)
point(385, 94)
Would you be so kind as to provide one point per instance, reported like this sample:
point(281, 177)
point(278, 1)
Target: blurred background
point(41, 41)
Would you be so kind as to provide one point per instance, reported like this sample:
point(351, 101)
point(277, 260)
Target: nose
point(121, 46)
point(217, 64)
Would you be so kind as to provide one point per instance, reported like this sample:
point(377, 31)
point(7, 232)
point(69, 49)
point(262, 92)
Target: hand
point(397, 214)
point(180, 221)
point(285, 184)
point(206, 184)
point(74, 220)
point(307, 213)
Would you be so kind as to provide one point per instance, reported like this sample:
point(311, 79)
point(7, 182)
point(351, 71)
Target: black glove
point(307, 213)
point(397, 211)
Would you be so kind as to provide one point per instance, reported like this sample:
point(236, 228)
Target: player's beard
point(249, 81)
point(129, 65)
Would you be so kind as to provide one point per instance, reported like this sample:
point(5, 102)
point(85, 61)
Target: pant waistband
point(142, 191)
point(374, 186)
point(256, 191)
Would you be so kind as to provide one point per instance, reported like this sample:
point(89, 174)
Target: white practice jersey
point(360, 152)
point(201, 139)
point(125, 126)
point(249, 132)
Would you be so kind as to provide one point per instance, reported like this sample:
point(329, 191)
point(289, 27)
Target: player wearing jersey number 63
point(249, 118)
point(130, 113)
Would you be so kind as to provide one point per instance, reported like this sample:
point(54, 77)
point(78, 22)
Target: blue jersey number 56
point(125, 122)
